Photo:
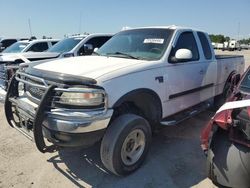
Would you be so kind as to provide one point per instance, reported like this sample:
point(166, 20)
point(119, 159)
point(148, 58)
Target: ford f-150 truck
point(140, 79)
point(77, 45)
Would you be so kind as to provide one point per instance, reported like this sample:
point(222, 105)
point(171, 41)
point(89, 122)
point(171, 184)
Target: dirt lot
point(175, 160)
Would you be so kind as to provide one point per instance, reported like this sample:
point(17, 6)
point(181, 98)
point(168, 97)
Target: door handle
point(201, 71)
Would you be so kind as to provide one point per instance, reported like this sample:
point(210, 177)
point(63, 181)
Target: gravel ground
point(175, 160)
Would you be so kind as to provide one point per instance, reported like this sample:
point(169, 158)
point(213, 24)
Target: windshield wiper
point(124, 55)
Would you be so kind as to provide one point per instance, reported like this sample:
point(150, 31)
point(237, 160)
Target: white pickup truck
point(140, 79)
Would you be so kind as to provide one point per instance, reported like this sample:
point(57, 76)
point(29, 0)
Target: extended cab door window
point(185, 41)
point(205, 45)
point(39, 47)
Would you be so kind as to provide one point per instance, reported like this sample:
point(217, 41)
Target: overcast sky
point(58, 17)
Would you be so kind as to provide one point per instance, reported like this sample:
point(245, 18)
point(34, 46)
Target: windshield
point(16, 47)
point(65, 45)
point(147, 44)
point(245, 84)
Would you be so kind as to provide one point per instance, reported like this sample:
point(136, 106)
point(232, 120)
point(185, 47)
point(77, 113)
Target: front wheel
point(125, 144)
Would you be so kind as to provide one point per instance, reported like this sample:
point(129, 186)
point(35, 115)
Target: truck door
point(209, 68)
point(183, 77)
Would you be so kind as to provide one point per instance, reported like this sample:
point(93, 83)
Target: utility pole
point(238, 31)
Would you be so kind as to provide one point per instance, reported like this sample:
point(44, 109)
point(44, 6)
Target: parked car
point(6, 42)
point(137, 80)
point(37, 45)
point(80, 45)
point(245, 46)
point(68, 47)
point(226, 139)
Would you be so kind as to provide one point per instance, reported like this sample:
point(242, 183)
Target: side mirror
point(67, 54)
point(95, 50)
point(183, 54)
point(88, 49)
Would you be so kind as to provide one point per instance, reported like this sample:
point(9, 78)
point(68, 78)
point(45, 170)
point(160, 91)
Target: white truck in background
point(232, 45)
point(140, 79)
point(77, 45)
point(31, 45)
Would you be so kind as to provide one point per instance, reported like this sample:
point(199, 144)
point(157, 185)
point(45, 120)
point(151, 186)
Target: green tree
point(219, 38)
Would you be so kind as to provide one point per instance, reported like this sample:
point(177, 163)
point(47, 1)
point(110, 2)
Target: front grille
point(34, 91)
point(34, 88)
point(3, 77)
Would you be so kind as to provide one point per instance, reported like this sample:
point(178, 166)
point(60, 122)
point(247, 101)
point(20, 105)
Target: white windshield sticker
point(154, 41)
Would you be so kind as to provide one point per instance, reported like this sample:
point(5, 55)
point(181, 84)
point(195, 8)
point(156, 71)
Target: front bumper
point(63, 127)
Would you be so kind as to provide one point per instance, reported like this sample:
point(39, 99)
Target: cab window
point(205, 45)
point(185, 41)
point(39, 47)
point(96, 42)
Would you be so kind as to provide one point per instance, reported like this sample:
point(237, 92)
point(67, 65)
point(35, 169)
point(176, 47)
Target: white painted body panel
point(119, 76)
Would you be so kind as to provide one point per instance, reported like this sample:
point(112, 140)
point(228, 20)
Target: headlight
point(83, 97)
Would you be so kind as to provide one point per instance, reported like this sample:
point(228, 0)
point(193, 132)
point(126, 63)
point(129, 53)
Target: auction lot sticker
point(154, 41)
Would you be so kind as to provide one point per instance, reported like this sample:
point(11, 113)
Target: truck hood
point(27, 56)
point(87, 66)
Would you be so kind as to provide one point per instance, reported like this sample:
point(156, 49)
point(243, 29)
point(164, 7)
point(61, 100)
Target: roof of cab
point(173, 27)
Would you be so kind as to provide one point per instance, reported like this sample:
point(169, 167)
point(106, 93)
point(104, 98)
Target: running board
point(179, 117)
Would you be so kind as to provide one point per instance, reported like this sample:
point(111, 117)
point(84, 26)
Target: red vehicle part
point(223, 119)
point(226, 139)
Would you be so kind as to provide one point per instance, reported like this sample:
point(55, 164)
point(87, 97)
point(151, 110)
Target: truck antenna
point(30, 28)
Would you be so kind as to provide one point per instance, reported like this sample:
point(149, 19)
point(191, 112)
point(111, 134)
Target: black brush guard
point(37, 120)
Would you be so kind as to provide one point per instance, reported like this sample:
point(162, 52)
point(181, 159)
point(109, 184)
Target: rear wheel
point(221, 99)
point(125, 144)
point(228, 164)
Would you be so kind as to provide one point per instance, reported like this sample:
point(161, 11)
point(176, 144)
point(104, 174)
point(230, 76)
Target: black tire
point(221, 99)
point(228, 164)
point(115, 136)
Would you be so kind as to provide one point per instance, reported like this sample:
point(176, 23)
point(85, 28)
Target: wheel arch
point(232, 75)
point(233, 78)
point(146, 101)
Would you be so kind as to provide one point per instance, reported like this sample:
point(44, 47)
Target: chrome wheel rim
point(133, 147)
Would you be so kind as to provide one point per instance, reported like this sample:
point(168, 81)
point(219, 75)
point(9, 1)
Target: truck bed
point(226, 65)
